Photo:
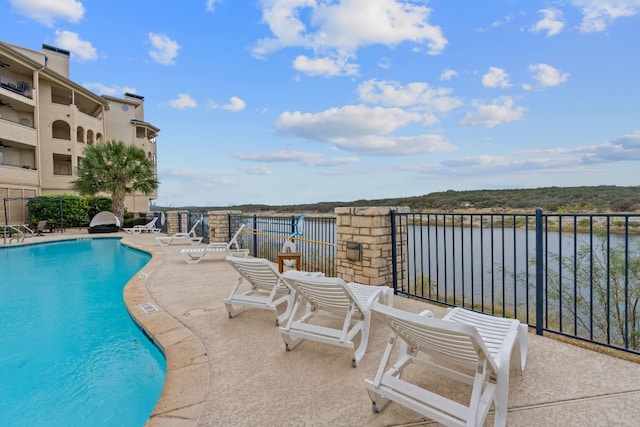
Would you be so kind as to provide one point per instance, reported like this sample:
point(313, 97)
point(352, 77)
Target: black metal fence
point(576, 275)
point(313, 237)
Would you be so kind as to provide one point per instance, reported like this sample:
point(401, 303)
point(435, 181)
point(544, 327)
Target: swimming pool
point(70, 354)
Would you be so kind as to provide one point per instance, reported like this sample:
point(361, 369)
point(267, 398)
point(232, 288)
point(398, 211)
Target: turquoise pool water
point(70, 354)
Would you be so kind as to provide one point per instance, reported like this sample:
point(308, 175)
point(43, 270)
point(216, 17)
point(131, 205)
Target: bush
point(73, 211)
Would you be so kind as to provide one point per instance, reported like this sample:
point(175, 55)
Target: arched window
point(80, 134)
point(98, 137)
point(61, 130)
point(89, 137)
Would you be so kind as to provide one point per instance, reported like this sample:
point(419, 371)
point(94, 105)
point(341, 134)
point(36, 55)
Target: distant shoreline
point(589, 199)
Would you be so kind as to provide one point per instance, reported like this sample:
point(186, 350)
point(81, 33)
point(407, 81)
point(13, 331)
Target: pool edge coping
point(187, 379)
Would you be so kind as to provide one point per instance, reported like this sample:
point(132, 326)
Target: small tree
point(118, 169)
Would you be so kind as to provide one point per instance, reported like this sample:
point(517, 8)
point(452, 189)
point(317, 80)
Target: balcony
point(16, 86)
point(19, 130)
point(18, 174)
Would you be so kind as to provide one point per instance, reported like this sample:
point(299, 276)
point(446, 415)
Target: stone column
point(219, 225)
point(370, 228)
point(174, 219)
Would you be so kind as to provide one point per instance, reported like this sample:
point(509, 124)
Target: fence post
point(394, 253)
point(220, 229)
point(539, 273)
point(369, 229)
point(255, 235)
point(173, 222)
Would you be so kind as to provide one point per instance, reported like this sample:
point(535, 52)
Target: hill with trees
point(588, 199)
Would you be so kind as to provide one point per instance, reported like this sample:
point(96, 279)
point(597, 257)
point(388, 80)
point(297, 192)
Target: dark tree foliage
point(593, 199)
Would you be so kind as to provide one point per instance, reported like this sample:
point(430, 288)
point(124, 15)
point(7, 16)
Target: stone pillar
point(219, 225)
point(371, 228)
point(176, 222)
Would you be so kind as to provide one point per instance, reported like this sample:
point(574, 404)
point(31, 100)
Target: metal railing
point(576, 275)
point(15, 232)
point(313, 237)
point(18, 86)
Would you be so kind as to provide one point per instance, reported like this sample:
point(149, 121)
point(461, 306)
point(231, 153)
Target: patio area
point(223, 371)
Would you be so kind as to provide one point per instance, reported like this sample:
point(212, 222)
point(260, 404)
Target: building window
point(61, 130)
point(61, 164)
point(89, 137)
point(80, 134)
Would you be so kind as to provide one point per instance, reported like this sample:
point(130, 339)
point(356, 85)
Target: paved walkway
point(236, 372)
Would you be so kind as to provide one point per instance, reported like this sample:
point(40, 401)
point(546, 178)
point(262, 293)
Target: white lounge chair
point(465, 346)
point(331, 299)
point(264, 288)
point(195, 255)
point(189, 237)
point(150, 227)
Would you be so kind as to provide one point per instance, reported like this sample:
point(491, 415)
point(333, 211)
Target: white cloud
point(48, 11)
point(599, 14)
point(496, 77)
point(498, 23)
point(350, 121)
point(485, 165)
point(507, 19)
point(500, 111)
point(339, 28)
point(325, 66)
point(557, 160)
point(257, 170)
point(210, 5)
point(552, 22)
point(418, 95)
point(547, 76)
point(384, 62)
point(183, 101)
point(164, 50)
point(395, 145)
point(304, 158)
point(625, 148)
point(102, 89)
point(235, 104)
point(448, 74)
point(80, 49)
point(360, 128)
point(177, 183)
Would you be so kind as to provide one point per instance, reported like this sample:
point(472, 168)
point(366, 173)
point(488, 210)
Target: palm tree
point(118, 169)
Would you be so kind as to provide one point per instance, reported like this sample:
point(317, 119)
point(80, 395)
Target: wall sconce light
point(354, 251)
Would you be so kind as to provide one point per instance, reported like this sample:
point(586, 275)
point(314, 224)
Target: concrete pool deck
point(223, 372)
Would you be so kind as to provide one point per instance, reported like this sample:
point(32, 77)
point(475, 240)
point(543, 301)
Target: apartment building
point(46, 121)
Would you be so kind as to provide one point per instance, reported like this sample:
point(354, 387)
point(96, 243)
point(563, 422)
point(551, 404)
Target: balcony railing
point(17, 86)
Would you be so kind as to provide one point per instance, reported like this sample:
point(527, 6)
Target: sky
point(301, 101)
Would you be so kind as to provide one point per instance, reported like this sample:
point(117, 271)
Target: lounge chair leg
point(377, 402)
point(233, 312)
point(290, 343)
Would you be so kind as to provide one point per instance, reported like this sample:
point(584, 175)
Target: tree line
point(588, 199)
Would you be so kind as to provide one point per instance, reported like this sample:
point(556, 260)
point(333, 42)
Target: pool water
point(70, 354)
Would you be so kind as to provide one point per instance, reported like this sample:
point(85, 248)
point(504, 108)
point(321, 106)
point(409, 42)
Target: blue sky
point(302, 101)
